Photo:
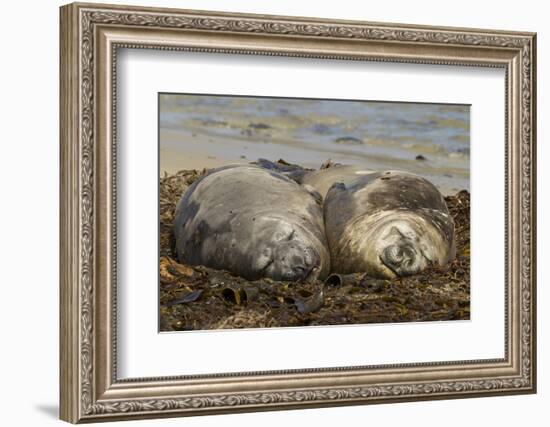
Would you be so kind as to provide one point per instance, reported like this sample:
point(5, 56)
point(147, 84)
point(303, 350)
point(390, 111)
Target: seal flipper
point(267, 164)
point(336, 187)
point(294, 172)
point(338, 201)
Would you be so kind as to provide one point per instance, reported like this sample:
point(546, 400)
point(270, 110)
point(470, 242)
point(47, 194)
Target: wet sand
point(210, 131)
point(173, 161)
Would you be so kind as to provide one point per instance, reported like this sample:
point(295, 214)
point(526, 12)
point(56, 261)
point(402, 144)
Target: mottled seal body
point(387, 224)
point(254, 223)
point(321, 180)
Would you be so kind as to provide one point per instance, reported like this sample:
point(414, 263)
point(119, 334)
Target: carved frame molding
point(90, 37)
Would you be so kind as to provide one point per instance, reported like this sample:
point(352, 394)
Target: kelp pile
point(198, 298)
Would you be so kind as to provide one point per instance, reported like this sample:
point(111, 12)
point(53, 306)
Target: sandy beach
point(429, 140)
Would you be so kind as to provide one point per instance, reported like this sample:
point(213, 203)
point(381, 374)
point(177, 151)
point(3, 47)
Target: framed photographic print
point(266, 212)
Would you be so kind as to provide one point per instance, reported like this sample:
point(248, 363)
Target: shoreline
point(173, 161)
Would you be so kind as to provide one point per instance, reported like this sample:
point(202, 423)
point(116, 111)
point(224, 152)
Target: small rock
point(349, 140)
point(259, 126)
point(322, 129)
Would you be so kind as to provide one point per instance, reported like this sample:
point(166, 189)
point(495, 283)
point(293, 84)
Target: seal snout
point(302, 270)
point(401, 258)
point(295, 261)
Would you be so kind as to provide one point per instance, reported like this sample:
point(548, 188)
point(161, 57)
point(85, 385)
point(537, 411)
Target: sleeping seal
point(254, 223)
point(387, 224)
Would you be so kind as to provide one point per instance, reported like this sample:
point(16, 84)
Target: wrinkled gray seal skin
point(387, 224)
point(321, 180)
point(254, 223)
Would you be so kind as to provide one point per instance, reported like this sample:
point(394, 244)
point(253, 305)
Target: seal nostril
point(393, 254)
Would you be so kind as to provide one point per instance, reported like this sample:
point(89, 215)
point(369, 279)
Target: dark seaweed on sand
point(196, 297)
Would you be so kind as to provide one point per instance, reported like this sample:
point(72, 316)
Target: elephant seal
point(387, 224)
point(254, 223)
point(321, 180)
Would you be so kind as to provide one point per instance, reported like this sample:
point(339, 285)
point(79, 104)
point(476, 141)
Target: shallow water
point(432, 140)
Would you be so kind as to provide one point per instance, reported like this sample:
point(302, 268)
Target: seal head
point(287, 255)
point(389, 224)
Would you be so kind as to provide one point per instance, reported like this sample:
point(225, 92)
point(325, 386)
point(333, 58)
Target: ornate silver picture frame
point(91, 37)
